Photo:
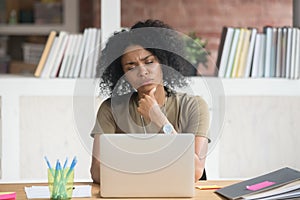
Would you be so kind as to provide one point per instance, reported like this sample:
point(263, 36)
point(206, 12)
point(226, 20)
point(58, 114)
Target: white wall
point(261, 134)
point(45, 117)
point(47, 128)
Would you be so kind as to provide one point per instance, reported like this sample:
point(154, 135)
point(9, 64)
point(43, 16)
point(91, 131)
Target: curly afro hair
point(156, 37)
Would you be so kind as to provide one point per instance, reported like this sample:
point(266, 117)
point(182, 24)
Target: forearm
point(159, 118)
point(95, 165)
point(201, 145)
point(199, 168)
point(95, 170)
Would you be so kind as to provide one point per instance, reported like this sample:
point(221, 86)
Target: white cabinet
point(53, 117)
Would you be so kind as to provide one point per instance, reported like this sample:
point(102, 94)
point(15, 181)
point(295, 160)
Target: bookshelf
point(70, 13)
point(25, 39)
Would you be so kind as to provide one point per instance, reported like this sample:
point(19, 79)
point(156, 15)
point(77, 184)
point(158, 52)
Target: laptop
point(147, 165)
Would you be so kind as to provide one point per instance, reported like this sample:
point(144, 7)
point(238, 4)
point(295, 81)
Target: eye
point(131, 67)
point(149, 62)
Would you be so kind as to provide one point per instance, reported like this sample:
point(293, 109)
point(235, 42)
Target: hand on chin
point(146, 88)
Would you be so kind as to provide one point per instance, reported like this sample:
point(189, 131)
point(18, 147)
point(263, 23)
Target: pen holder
point(60, 183)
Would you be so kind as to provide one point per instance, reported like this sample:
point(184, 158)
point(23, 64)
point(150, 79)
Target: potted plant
point(196, 53)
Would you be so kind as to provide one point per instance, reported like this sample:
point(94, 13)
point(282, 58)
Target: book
point(285, 191)
point(45, 54)
point(256, 56)
point(80, 58)
point(262, 57)
point(288, 52)
point(221, 45)
point(74, 57)
point(232, 52)
point(50, 59)
point(244, 52)
point(273, 52)
point(278, 53)
point(71, 56)
point(86, 53)
point(278, 182)
point(7, 195)
point(97, 53)
point(283, 52)
point(224, 49)
point(297, 59)
point(268, 51)
point(237, 56)
point(295, 54)
point(62, 43)
point(92, 53)
point(66, 58)
point(250, 53)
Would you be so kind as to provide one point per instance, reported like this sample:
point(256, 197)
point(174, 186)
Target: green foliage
point(195, 49)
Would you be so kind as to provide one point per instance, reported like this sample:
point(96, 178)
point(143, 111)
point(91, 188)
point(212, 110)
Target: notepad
point(37, 192)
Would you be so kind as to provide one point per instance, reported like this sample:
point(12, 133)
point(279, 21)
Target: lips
point(145, 82)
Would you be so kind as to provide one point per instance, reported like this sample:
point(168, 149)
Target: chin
point(147, 88)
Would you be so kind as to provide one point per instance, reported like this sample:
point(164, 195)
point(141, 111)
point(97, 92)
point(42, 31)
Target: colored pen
point(64, 168)
point(55, 181)
point(74, 161)
point(65, 164)
point(49, 165)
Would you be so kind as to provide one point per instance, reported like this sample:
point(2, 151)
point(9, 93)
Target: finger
point(152, 92)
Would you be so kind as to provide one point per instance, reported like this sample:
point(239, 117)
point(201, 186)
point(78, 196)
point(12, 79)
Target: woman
point(140, 68)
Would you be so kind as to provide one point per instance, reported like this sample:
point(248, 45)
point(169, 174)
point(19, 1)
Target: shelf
point(31, 29)
point(70, 16)
point(21, 85)
point(262, 87)
point(31, 86)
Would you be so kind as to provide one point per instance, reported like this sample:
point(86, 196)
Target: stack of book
point(70, 55)
point(283, 183)
point(245, 52)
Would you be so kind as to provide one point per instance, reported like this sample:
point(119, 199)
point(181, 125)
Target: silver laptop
point(147, 165)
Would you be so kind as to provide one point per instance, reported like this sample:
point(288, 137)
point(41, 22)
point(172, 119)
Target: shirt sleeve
point(195, 116)
point(105, 122)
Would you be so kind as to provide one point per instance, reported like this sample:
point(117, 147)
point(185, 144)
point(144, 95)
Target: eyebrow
point(145, 58)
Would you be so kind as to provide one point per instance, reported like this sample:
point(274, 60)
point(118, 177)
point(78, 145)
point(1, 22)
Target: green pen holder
point(60, 183)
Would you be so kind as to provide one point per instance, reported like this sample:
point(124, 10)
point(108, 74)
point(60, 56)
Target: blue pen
point(64, 168)
point(74, 161)
point(49, 165)
point(65, 164)
point(55, 181)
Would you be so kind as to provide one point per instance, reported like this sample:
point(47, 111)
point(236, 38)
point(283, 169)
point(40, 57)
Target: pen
point(65, 164)
point(49, 165)
point(74, 161)
point(64, 168)
point(208, 187)
point(55, 181)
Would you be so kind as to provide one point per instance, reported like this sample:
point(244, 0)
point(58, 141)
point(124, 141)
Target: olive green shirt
point(187, 113)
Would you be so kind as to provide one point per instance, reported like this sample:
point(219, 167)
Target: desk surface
point(199, 194)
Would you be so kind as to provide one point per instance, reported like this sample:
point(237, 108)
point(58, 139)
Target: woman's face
point(141, 68)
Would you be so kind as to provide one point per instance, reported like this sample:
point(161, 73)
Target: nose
point(142, 71)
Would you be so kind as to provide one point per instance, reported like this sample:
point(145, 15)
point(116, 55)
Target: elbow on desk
point(95, 172)
point(198, 173)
